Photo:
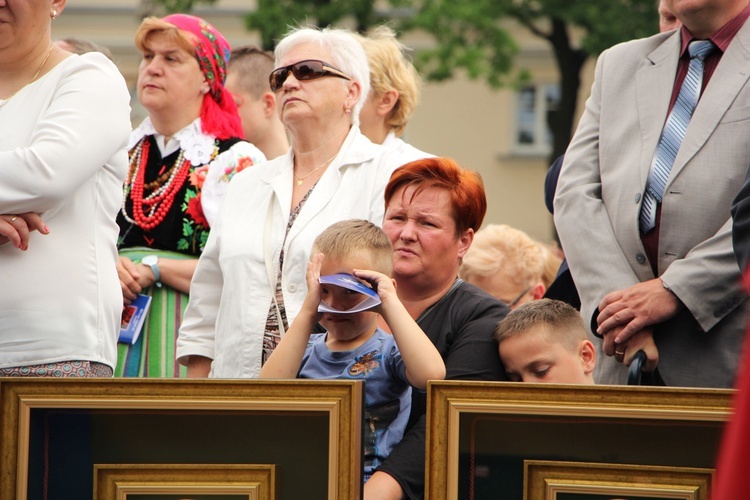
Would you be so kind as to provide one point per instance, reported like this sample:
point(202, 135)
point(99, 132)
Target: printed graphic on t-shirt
point(365, 364)
point(377, 420)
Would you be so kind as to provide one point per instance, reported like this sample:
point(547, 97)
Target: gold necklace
point(33, 79)
point(49, 51)
point(300, 180)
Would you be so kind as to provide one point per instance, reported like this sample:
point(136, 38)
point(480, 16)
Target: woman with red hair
point(433, 208)
point(181, 160)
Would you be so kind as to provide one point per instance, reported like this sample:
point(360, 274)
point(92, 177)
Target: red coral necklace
point(149, 211)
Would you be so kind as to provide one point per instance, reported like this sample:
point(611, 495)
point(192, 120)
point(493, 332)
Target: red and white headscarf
point(219, 115)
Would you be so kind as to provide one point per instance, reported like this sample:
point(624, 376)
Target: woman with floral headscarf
point(181, 159)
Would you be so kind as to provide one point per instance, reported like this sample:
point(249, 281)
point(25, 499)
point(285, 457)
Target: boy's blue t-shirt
point(387, 391)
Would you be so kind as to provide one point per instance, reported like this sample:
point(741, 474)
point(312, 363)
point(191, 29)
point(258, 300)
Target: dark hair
point(80, 46)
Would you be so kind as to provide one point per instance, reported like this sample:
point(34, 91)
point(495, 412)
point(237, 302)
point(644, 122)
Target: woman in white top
point(250, 281)
point(394, 94)
point(64, 124)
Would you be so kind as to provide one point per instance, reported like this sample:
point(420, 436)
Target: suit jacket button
point(640, 258)
point(638, 197)
point(717, 314)
point(292, 287)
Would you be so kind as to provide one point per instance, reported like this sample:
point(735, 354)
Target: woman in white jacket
point(250, 280)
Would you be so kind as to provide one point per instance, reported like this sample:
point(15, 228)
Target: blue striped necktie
point(673, 132)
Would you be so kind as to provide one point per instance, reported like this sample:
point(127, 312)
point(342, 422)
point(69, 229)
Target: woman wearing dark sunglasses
point(250, 281)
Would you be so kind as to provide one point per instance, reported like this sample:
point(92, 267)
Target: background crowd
point(213, 207)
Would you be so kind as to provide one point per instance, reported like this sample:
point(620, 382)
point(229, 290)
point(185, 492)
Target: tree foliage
point(273, 18)
point(163, 7)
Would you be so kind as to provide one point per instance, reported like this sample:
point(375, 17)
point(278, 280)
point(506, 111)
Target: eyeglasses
point(309, 69)
point(517, 299)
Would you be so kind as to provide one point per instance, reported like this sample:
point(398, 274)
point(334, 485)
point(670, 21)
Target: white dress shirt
point(407, 151)
point(230, 293)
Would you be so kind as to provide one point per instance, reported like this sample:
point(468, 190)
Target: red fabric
point(733, 464)
point(219, 115)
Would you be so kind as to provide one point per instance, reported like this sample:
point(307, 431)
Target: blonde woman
point(394, 94)
point(506, 263)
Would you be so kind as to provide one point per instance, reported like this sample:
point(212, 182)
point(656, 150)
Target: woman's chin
point(291, 117)
point(406, 269)
point(149, 103)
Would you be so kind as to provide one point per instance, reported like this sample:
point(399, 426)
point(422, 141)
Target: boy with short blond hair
point(353, 346)
point(546, 341)
point(346, 238)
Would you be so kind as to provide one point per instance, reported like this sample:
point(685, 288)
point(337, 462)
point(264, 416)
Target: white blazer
point(230, 294)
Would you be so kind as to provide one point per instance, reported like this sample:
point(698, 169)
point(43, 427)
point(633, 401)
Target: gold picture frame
point(129, 481)
point(479, 433)
point(551, 480)
point(184, 421)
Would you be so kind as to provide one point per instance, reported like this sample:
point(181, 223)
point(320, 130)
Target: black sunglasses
point(309, 69)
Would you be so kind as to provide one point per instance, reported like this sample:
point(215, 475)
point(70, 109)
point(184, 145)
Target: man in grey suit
point(665, 281)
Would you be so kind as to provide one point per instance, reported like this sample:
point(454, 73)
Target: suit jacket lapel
point(730, 76)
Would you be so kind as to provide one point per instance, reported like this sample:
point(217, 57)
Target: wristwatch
point(152, 261)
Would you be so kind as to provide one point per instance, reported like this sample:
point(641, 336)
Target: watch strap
point(154, 265)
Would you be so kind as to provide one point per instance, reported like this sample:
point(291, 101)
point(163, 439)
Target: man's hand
point(636, 307)
point(642, 340)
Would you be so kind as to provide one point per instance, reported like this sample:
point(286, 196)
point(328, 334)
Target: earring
point(348, 110)
point(53, 15)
